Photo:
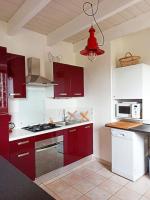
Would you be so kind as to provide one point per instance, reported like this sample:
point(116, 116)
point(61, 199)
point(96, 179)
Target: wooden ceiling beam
point(107, 9)
point(24, 14)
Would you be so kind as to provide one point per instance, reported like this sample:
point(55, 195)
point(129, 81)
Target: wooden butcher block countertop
point(123, 124)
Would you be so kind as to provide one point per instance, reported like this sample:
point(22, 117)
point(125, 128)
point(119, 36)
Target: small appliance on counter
point(130, 110)
point(11, 126)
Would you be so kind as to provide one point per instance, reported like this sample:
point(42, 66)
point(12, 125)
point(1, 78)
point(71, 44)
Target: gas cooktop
point(40, 127)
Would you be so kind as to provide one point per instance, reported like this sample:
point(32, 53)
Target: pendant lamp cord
point(87, 3)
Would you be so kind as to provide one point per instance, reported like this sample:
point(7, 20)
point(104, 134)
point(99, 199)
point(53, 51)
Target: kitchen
point(40, 106)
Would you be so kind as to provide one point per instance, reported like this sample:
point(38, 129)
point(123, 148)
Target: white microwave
point(128, 110)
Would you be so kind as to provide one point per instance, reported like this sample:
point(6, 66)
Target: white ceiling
point(127, 14)
point(8, 8)
point(59, 12)
point(54, 15)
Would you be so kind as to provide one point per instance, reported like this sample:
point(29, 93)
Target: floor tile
point(118, 179)
point(94, 166)
point(145, 180)
point(38, 181)
point(95, 182)
point(58, 186)
point(72, 179)
point(51, 193)
point(83, 198)
point(84, 186)
point(144, 198)
point(96, 179)
point(114, 198)
point(126, 194)
point(70, 194)
point(110, 186)
point(147, 194)
point(140, 186)
point(98, 194)
point(105, 172)
point(84, 172)
point(41, 185)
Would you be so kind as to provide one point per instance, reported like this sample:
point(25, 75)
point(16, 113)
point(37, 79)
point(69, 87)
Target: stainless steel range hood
point(34, 78)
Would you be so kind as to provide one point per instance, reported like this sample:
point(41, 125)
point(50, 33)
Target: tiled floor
point(93, 181)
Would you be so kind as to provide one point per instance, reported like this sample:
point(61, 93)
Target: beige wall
point(137, 43)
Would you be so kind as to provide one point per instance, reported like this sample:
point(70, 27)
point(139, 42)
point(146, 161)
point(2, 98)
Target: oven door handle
point(47, 147)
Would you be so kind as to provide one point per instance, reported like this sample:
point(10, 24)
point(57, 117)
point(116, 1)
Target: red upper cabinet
point(4, 135)
point(16, 73)
point(77, 81)
point(69, 80)
point(3, 81)
point(62, 79)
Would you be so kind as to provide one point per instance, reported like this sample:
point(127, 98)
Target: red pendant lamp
point(92, 48)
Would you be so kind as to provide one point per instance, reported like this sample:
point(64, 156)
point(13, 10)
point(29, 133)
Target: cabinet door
point(4, 135)
point(86, 140)
point(3, 81)
point(3, 89)
point(16, 72)
point(22, 155)
point(77, 81)
point(3, 55)
point(71, 148)
point(128, 82)
point(62, 79)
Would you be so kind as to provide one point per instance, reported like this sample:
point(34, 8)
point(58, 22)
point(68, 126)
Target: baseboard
point(104, 162)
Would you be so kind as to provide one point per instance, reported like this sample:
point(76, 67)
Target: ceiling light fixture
point(92, 48)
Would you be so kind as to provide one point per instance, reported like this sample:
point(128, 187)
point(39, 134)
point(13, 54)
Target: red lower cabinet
point(71, 149)
point(78, 143)
point(86, 140)
point(22, 155)
point(4, 135)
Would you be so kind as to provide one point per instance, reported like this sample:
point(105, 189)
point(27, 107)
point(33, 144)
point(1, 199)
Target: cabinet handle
point(73, 130)
point(24, 142)
point(63, 94)
point(23, 154)
point(13, 94)
point(77, 94)
point(87, 126)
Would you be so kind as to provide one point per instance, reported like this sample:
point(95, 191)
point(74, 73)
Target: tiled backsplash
point(40, 107)
point(68, 114)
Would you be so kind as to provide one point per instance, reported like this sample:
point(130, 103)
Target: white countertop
point(17, 134)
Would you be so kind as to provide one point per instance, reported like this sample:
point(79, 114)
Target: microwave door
point(124, 111)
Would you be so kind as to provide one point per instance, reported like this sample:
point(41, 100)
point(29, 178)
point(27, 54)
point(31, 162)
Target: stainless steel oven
point(49, 155)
